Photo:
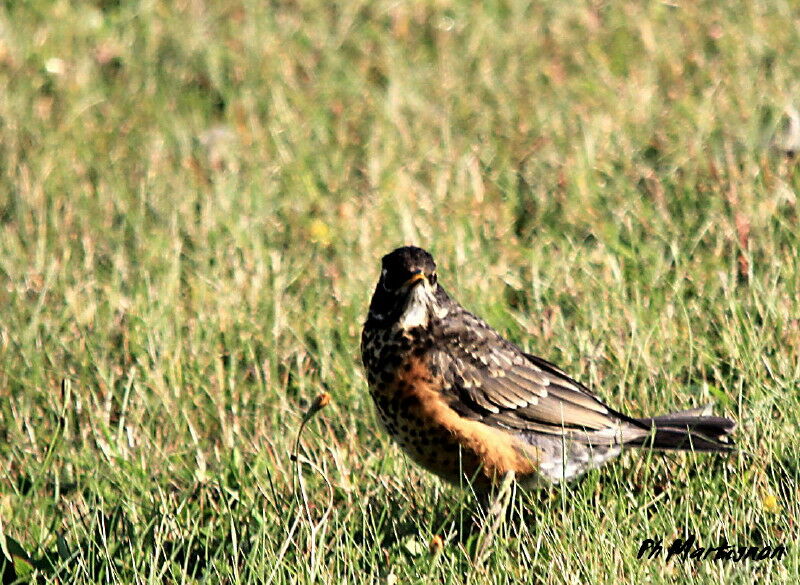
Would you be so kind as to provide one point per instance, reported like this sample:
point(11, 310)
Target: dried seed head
point(322, 400)
point(436, 545)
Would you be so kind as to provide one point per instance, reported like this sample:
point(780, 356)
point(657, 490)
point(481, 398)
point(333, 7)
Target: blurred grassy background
point(194, 197)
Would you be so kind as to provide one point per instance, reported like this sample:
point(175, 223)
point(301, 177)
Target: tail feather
point(696, 430)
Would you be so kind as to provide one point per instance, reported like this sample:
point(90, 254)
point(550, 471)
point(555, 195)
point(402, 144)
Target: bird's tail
point(689, 430)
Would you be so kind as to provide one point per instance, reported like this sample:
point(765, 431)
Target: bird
point(471, 406)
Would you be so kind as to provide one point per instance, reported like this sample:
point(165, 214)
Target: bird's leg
point(495, 516)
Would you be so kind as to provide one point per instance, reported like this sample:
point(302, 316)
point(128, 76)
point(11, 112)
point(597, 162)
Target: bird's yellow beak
point(417, 276)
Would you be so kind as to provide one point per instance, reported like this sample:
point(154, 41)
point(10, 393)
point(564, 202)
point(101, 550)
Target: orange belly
point(439, 439)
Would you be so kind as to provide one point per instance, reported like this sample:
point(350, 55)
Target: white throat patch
point(416, 312)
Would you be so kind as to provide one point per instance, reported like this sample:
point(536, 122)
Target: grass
point(194, 198)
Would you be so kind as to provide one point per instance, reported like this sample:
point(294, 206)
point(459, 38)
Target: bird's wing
point(495, 381)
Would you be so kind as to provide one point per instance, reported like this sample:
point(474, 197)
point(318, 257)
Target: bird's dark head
point(407, 292)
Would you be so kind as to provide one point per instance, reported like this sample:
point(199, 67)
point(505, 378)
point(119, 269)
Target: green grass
point(194, 198)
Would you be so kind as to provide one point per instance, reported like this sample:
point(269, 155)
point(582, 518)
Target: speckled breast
point(403, 389)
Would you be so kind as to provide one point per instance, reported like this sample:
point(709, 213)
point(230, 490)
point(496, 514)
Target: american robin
point(464, 402)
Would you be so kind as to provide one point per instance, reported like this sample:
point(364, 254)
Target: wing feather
point(516, 390)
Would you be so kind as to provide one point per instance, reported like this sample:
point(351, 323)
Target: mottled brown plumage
point(464, 402)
